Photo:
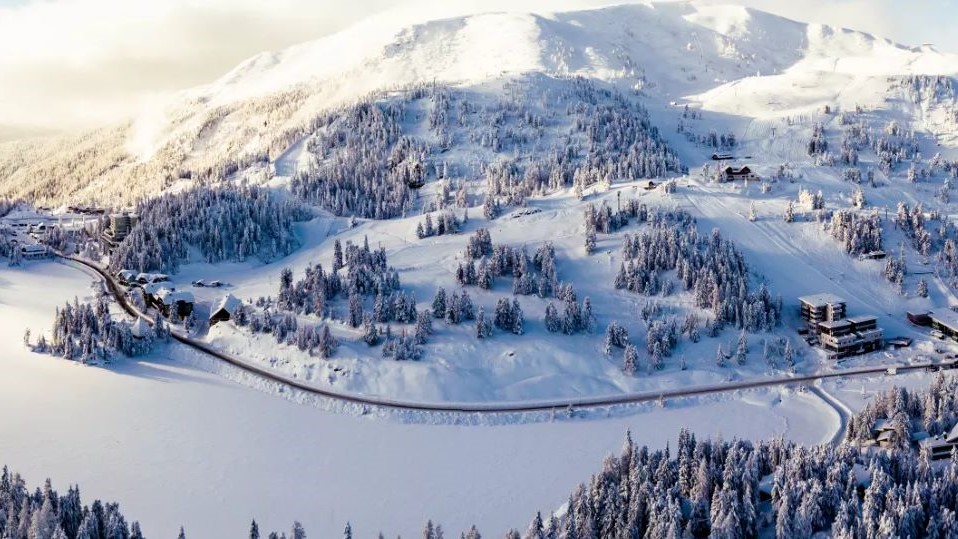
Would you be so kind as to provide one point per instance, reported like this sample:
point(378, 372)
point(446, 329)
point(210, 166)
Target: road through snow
point(494, 407)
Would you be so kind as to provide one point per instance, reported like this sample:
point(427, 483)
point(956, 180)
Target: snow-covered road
point(177, 445)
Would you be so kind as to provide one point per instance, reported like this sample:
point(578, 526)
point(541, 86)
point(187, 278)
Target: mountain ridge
point(672, 52)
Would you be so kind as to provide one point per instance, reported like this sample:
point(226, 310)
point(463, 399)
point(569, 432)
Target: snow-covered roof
point(229, 303)
point(155, 288)
point(935, 442)
point(34, 248)
point(821, 300)
point(140, 328)
point(881, 424)
point(126, 274)
point(952, 436)
point(152, 277)
point(945, 317)
point(834, 324)
point(862, 318)
point(170, 297)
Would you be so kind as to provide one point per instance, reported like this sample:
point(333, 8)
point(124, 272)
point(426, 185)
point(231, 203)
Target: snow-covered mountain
point(722, 56)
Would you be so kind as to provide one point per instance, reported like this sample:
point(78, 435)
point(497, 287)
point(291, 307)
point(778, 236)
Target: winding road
point(498, 408)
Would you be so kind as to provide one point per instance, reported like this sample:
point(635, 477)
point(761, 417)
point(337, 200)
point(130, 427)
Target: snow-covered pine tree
point(552, 321)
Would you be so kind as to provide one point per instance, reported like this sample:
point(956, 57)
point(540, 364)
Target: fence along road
point(492, 408)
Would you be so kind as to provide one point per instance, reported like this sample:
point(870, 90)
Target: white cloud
point(68, 63)
point(80, 62)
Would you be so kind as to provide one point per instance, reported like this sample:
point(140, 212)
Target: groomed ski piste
point(252, 448)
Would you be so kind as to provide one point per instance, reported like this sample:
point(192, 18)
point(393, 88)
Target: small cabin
point(126, 277)
point(873, 255)
point(174, 304)
point(721, 157)
point(226, 309)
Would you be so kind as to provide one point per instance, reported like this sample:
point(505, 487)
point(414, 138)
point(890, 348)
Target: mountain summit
point(668, 52)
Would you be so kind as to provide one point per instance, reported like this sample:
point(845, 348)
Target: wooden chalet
point(174, 303)
point(226, 309)
point(941, 446)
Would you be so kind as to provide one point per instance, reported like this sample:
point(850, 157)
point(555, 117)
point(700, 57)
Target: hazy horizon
point(55, 77)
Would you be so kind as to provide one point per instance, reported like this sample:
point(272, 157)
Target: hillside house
point(885, 433)
point(945, 321)
point(174, 304)
point(126, 277)
point(941, 446)
point(226, 309)
point(148, 278)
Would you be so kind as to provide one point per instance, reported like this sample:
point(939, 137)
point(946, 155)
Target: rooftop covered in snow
point(821, 300)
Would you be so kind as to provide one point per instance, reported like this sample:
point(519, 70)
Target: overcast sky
point(73, 63)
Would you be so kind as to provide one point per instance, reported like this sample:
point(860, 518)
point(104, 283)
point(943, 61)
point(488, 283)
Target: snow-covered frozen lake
point(177, 445)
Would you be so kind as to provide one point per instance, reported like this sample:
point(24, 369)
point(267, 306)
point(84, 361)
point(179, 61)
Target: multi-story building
point(821, 308)
point(120, 226)
point(839, 336)
point(851, 336)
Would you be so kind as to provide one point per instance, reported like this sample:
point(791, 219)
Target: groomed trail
point(494, 408)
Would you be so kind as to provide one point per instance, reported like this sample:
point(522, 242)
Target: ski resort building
point(849, 337)
point(839, 336)
point(731, 174)
point(120, 226)
point(821, 308)
point(945, 321)
point(34, 251)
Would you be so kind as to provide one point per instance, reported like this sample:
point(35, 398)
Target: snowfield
point(177, 445)
point(179, 438)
